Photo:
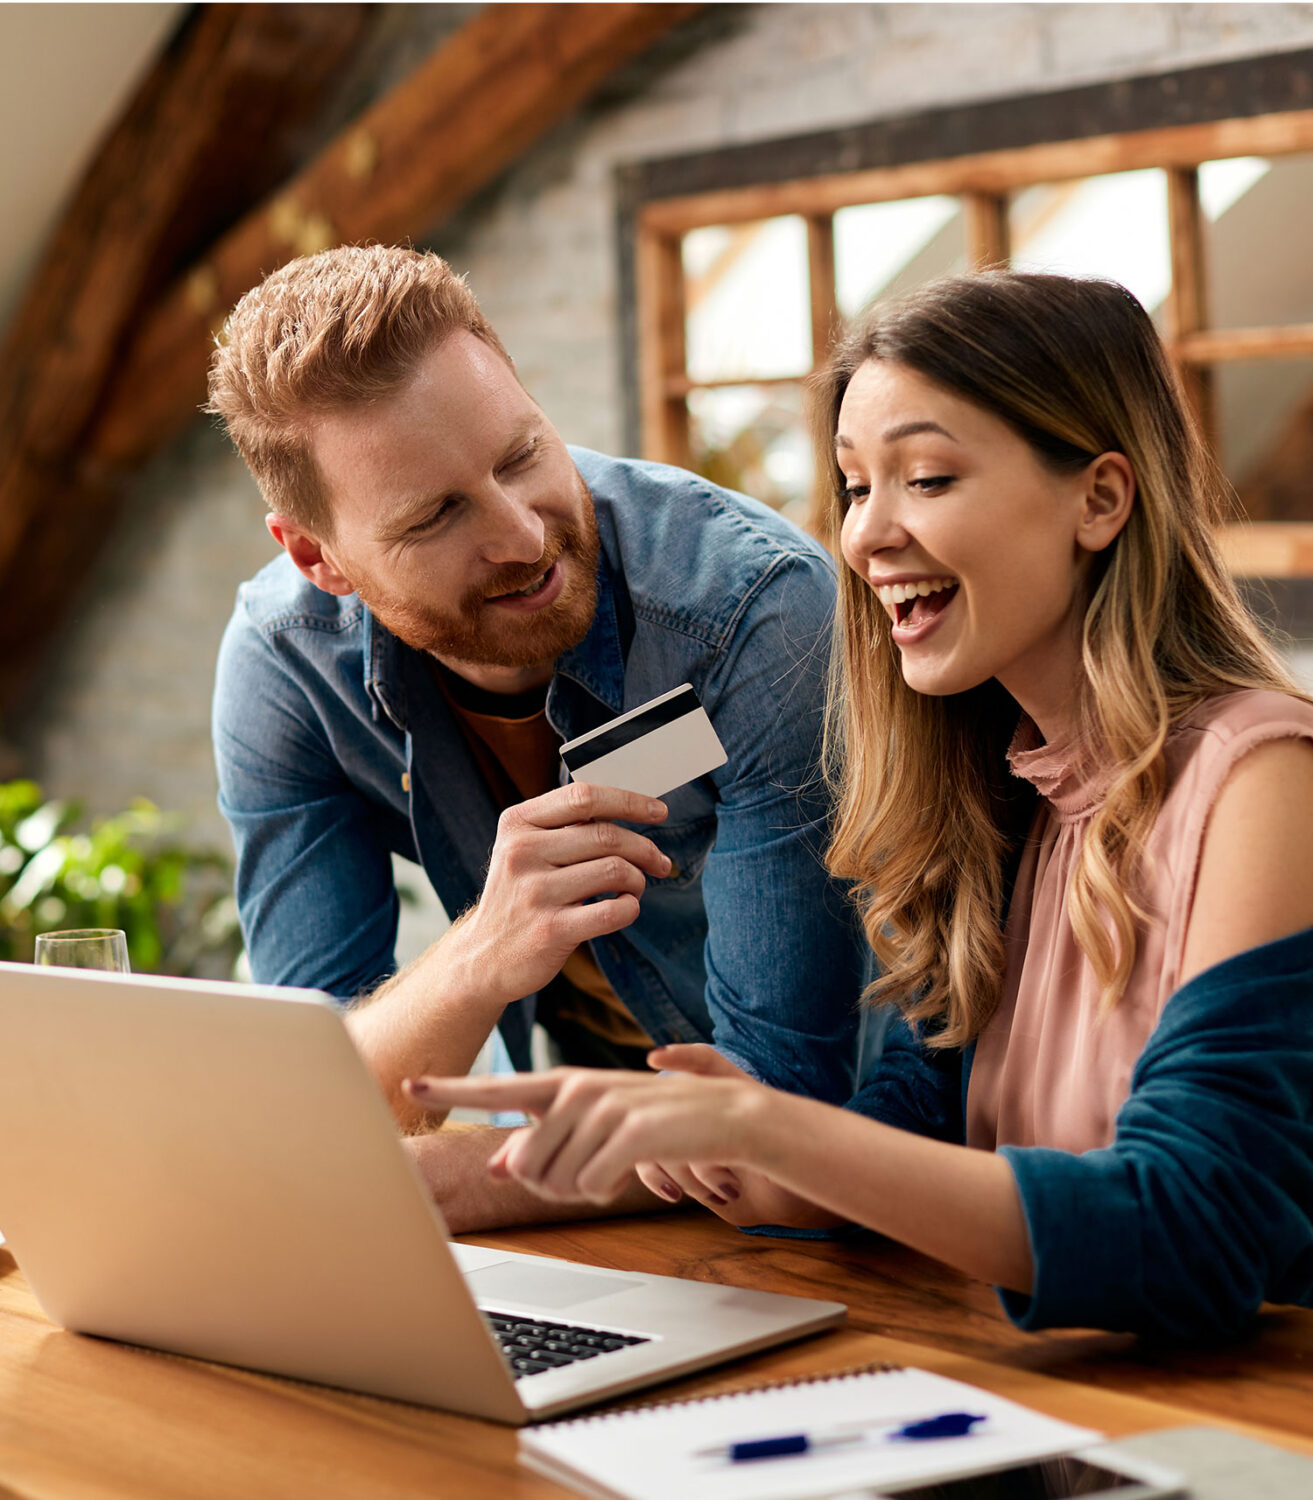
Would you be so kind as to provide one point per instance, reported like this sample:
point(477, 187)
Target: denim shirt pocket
point(687, 845)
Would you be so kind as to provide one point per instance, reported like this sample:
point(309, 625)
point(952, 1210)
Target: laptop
point(211, 1169)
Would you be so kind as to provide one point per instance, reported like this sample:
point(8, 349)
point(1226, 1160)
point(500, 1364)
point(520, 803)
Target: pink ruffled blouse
point(1050, 1069)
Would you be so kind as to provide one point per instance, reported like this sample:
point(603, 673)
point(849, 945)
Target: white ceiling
point(66, 71)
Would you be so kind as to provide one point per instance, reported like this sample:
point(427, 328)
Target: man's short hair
point(328, 331)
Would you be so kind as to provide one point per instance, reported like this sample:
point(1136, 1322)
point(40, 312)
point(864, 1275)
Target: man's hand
point(553, 856)
point(453, 1162)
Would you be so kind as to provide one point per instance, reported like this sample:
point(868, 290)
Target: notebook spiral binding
point(876, 1367)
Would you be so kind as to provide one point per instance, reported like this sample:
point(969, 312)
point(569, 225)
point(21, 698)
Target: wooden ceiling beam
point(407, 163)
point(208, 125)
point(107, 357)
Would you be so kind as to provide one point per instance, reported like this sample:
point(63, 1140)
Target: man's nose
point(515, 532)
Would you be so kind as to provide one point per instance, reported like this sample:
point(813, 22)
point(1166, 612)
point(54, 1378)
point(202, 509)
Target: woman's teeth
point(890, 594)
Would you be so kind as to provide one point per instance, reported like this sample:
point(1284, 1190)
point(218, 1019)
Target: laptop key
point(531, 1346)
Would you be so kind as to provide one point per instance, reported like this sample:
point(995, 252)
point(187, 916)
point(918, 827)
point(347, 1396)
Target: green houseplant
point(173, 901)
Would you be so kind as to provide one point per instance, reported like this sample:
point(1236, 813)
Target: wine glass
point(84, 948)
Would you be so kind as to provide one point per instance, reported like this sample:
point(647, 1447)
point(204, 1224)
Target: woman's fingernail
point(729, 1191)
point(670, 1191)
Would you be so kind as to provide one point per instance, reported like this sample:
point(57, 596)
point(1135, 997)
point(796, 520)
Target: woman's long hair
point(921, 783)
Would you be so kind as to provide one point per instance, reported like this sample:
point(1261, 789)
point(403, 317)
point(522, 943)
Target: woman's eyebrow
point(895, 434)
point(910, 429)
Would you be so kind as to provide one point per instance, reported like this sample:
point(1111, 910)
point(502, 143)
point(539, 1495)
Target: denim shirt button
point(405, 782)
point(674, 872)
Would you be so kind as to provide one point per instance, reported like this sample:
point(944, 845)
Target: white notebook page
point(651, 1453)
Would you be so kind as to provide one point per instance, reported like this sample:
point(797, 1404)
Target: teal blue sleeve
point(1202, 1207)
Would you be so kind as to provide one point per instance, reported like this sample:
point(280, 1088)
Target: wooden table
point(82, 1417)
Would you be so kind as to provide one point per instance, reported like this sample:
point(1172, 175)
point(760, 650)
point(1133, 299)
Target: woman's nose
point(870, 528)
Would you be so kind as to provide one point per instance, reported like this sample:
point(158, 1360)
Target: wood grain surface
point(85, 1417)
point(1266, 1379)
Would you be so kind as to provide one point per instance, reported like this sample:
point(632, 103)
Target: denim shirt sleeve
point(310, 920)
point(914, 1087)
point(1202, 1207)
point(792, 1019)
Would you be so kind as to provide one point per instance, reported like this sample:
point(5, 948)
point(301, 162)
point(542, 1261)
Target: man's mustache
point(512, 579)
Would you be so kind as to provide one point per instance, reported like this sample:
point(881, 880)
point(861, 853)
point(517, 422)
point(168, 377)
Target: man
point(459, 594)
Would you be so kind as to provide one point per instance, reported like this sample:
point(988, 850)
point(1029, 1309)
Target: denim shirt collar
point(596, 664)
point(381, 656)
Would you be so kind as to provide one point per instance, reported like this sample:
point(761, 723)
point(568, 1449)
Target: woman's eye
point(854, 492)
point(929, 484)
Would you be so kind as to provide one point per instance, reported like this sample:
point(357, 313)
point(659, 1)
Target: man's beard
point(482, 635)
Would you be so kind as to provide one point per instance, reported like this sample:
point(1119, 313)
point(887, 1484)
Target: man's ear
point(1109, 495)
point(309, 555)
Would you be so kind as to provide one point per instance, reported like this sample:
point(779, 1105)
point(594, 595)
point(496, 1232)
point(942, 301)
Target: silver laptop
point(211, 1169)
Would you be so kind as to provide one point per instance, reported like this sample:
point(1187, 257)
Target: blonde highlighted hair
point(926, 805)
point(324, 332)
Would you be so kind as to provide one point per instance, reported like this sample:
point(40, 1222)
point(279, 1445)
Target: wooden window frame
point(655, 216)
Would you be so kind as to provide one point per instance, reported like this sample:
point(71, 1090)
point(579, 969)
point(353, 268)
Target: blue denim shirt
point(334, 751)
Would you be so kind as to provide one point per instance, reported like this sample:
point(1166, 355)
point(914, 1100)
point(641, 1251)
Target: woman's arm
point(592, 1129)
point(1255, 881)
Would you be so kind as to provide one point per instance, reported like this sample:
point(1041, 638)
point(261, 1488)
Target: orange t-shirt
point(521, 759)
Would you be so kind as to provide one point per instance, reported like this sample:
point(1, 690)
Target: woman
point(1075, 798)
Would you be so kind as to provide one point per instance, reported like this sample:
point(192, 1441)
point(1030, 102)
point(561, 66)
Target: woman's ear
point(1109, 495)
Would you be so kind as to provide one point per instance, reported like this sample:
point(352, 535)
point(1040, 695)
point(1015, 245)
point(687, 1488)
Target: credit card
point(652, 749)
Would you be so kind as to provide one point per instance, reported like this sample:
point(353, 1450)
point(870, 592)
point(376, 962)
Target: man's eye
point(432, 520)
point(518, 460)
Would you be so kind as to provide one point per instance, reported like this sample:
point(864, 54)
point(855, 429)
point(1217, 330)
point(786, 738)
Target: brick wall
point(126, 705)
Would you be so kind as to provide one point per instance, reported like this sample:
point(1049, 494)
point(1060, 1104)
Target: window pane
point(1265, 435)
point(882, 249)
point(1115, 225)
point(1256, 245)
point(754, 438)
point(747, 300)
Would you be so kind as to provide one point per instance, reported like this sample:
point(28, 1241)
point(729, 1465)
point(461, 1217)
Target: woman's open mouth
point(914, 606)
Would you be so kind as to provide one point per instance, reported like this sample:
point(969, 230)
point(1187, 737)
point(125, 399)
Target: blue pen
point(949, 1424)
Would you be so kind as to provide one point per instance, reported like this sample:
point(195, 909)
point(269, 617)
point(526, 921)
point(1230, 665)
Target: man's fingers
point(583, 842)
point(568, 887)
point(580, 924)
point(582, 802)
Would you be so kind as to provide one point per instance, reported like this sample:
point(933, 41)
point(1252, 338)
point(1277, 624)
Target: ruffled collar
point(1065, 773)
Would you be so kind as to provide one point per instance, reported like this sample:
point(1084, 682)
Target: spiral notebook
point(659, 1452)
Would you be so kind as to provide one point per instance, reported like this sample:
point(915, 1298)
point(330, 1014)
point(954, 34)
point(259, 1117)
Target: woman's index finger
point(527, 1091)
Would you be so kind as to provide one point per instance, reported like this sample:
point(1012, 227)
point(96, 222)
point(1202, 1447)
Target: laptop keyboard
point(532, 1345)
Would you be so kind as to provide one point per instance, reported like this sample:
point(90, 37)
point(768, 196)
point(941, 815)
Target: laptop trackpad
point(541, 1286)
